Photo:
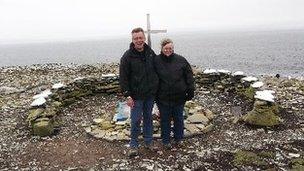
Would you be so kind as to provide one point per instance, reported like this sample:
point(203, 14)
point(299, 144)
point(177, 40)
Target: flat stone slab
point(198, 122)
point(198, 118)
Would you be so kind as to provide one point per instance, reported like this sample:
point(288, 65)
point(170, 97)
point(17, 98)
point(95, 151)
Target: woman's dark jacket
point(176, 82)
point(137, 76)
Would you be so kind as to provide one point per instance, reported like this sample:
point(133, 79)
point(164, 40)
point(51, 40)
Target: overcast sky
point(34, 20)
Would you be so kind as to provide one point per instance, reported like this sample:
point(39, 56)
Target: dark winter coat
point(176, 82)
point(137, 76)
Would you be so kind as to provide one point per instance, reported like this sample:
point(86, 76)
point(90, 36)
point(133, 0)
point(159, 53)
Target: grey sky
point(34, 20)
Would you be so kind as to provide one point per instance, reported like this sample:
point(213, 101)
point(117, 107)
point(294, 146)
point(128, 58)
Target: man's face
point(138, 40)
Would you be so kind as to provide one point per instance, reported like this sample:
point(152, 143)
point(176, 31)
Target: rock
point(224, 71)
point(98, 120)
point(238, 73)
point(208, 128)
point(265, 95)
point(88, 129)
point(247, 158)
point(248, 92)
point(297, 164)
point(108, 75)
point(258, 84)
point(56, 104)
point(99, 133)
point(125, 122)
point(34, 114)
point(43, 127)
point(9, 90)
point(198, 118)
point(58, 86)
point(50, 112)
point(209, 114)
point(293, 155)
point(209, 71)
point(105, 125)
point(250, 79)
point(200, 126)
point(192, 128)
point(44, 94)
point(263, 114)
point(38, 102)
point(69, 101)
point(236, 119)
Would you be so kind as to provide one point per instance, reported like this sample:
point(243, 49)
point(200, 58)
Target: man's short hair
point(137, 30)
point(164, 42)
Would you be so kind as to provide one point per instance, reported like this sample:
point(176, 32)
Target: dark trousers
point(142, 110)
point(167, 113)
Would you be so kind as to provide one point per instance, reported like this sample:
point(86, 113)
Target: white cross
point(149, 31)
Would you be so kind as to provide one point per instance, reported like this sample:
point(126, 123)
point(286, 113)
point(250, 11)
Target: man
point(139, 82)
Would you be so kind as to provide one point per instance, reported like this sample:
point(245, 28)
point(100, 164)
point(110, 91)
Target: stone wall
point(46, 106)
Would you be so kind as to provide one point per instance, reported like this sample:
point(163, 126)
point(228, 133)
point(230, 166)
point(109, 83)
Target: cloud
point(59, 19)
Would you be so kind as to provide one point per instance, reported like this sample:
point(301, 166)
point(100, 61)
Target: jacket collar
point(166, 58)
point(136, 53)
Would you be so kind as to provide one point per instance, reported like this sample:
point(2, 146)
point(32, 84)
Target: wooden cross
point(149, 31)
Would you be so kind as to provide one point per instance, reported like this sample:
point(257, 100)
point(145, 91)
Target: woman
point(176, 86)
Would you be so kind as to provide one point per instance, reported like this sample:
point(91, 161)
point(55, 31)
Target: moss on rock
point(248, 93)
point(43, 127)
point(34, 114)
point(267, 154)
point(247, 158)
point(263, 114)
point(297, 164)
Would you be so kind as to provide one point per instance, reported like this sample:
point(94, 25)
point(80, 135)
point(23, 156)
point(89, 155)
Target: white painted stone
point(79, 78)
point(38, 102)
point(258, 84)
point(294, 155)
point(209, 71)
point(108, 75)
point(224, 71)
point(265, 95)
point(57, 86)
point(238, 73)
point(250, 79)
point(44, 94)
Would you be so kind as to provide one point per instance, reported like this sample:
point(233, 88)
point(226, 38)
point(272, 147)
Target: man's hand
point(130, 102)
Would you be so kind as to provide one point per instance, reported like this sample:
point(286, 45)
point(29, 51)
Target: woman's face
point(168, 49)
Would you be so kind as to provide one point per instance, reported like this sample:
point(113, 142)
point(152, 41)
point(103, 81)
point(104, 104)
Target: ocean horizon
point(254, 52)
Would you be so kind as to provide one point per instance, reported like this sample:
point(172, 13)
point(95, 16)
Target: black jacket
point(176, 82)
point(137, 76)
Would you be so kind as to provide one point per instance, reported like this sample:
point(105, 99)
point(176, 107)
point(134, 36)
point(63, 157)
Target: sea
point(253, 52)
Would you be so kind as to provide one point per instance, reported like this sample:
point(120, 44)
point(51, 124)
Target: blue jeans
point(142, 109)
point(166, 113)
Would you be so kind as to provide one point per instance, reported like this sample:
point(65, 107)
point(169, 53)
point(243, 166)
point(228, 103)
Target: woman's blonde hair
point(165, 41)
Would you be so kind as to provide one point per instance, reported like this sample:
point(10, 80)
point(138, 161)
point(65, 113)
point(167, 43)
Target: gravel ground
point(72, 149)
